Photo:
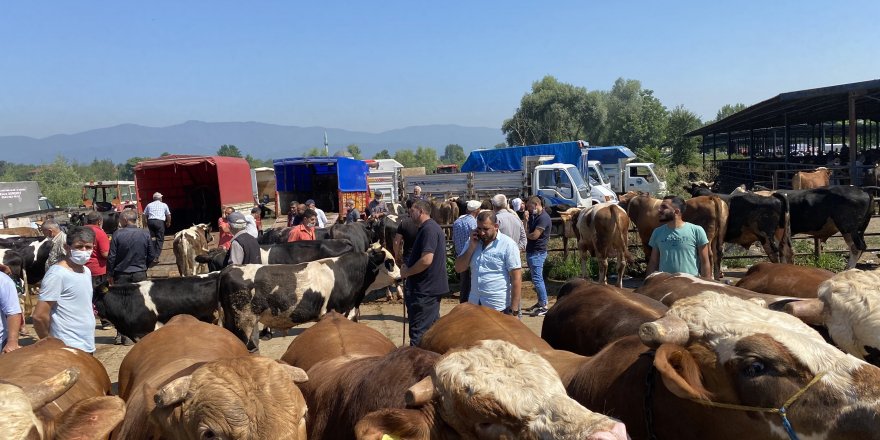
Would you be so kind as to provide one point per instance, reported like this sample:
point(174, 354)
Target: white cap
point(473, 205)
point(516, 204)
point(157, 195)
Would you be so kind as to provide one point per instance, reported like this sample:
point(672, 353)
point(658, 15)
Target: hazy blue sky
point(69, 66)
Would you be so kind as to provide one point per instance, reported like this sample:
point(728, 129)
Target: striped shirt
point(156, 210)
point(461, 232)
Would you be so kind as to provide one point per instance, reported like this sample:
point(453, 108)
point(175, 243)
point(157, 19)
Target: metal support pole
point(853, 178)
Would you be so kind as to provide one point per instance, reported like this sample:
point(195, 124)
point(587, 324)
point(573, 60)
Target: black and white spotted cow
point(283, 296)
point(26, 257)
point(359, 233)
point(139, 308)
point(285, 253)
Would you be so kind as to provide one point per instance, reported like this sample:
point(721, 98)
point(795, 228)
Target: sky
point(373, 66)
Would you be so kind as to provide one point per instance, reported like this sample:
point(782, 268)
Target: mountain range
point(260, 140)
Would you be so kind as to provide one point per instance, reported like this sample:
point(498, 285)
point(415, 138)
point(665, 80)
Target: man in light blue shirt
point(495, 265)
point(461, 234)
point(10, 314)
point(64, 310)
point(158, 219)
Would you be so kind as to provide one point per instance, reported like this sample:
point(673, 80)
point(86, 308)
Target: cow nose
point(617, 432)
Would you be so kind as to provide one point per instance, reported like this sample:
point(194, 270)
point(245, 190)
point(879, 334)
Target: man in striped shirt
point(158, 218)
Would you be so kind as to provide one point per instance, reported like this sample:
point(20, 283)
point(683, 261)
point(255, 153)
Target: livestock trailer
point(195, 187)
point(329, 181)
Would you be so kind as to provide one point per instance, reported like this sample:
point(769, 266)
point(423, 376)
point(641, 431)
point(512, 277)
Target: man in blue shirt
point(461, 234)
point(425, 273)
point(158, 218)
point(536, 250)
point(10, 313)
point(496, 269)
point(677, 245)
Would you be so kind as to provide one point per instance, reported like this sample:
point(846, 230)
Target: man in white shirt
point(322, 218)
point(158, 218)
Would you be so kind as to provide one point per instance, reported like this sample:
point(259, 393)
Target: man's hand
point(11, 346)
point(403, 271)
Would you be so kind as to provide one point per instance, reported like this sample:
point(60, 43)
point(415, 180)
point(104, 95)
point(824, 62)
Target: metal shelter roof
point(811, 106)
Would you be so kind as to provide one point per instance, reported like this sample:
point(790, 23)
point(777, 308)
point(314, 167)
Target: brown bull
point(603, 232)
point(50, 391)
point(811, 179)
point(784, 279)
point(335, 336)
point(192, 380)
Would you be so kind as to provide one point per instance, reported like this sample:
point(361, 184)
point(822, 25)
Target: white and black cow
point(285, 253)
point(26, 257)
point(280, 235)
point(139, 308)
point(187, 245)
point(359, 233)
point(283, 296)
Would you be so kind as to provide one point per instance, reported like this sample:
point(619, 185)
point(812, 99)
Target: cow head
point(492, 390)
point(91, 418)
point(713, 347)
point(214, 258)
point(204, 229)
point(246, 398)
point(850, 304)
point(381, 262)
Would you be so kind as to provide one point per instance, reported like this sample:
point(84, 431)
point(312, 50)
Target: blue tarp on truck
point(609, 154)
point(510, 159)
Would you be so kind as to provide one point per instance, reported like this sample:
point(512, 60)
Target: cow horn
point(420, 393)
point(173, 392)
point(809, 310)
point(375, 246)
point(666, 330)
point(298, 375)
point(52, 388)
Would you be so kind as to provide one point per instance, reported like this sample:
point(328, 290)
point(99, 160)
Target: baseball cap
point(516, 204)
point(236, 218)
point(157, 195)
point(377, 193)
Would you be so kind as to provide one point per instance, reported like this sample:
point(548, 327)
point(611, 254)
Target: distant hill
point(263, 141)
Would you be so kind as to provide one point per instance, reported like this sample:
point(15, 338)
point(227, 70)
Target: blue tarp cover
point(295, 173)
point(510, 159)
point(609, 154)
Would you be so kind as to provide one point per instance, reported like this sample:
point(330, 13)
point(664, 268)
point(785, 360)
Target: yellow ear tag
point(389, 437)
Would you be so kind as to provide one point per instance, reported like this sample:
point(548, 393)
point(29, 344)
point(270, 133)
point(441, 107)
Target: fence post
point(816, 248)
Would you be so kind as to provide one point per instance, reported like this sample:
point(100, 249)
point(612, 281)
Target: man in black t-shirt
point(538, 233)
point(425, 272)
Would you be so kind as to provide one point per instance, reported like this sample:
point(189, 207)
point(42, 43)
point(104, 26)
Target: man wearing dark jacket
point(244, 248)
point(130, 251)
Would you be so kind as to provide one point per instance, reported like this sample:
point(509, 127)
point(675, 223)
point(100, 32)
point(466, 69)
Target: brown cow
point(334, 336)
point(603, 232)
point(811, 179)
point(784, 279)
point(187, 245)
point(591, 316)
point(72, 381)
point(190, 380)
point(669, 288)
point(569, 226)
point(717, 350)
point(444, 212)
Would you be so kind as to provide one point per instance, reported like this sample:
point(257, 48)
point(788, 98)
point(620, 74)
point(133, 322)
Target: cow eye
point(754, 368)
point(872, 356)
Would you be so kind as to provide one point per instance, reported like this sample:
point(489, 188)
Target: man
point(293, 217)
point(306, 230)
point(425, 273)
point(158, 218)
point(10, 314)
point(51, 229)
point(64, 309)
point(244, 248)
point(322, 217)
point(265, 211)
point(417, 193)
point(97, 263)
point(496, 269)
point(353, 214)
point(405, 236)
point(225, 237)
point(677, 245)
point(536, 250)
point(377, 209)
point(251, 220)
point(461, 235)
point(130, 251)
point(508, 223)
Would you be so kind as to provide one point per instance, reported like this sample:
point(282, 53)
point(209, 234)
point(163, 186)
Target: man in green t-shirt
point(676, 245)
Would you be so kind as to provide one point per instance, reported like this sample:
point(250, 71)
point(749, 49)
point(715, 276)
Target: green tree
point(554, 111)
point(683, 149)
point(99, 170)
point(229, 151)
point(126, 170)
point(355, 151)
point(384, 154)
point(728, 110)
point(500, 145)
point(427, 157)
point(636, 118)
point(60, 183)
point(313, 152)
point(453, 154)
point(407, 158)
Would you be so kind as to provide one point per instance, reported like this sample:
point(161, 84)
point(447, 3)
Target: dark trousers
point(423, 311)
point(157, 233)
point(129, 277)
point(465, 286)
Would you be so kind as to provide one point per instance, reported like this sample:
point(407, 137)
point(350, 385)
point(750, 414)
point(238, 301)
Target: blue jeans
point(536, 267)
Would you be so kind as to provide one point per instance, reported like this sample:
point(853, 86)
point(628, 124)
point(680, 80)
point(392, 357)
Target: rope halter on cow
point(782, 410)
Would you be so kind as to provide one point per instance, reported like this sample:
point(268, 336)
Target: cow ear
point(298, 375)
point(173, 392)
point(393, 423)
point(680, 372)
point(94, 417)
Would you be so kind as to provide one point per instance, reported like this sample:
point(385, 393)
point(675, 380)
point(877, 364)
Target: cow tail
point(785, 225)
point(574, 222)
point(722, 211)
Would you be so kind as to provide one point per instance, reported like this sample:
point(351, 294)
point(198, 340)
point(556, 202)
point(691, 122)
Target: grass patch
point(832, 262)
point(564, 269)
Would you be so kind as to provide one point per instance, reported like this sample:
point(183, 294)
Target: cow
point(274, 235)
point(282, 296)
point(817, 178)
point(590, 316)
point(669, 288)
point(822, 212)
point(335, 336)
point(784, 279)
point(26, 257)
point(109, 224)
point(668, 381)
point(358, 233)
point(49, 390)
point(139, 308)
point(192, 380)
point(603, 232)
point(709, 212)
point(187, 245)
point(568, 230)
point(444, 212)
point(285, 253)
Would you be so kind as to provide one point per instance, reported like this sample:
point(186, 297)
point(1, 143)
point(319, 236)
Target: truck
point(22, 203)
point(611, 167)
point(109, 195)
point(329, 181)
point(384, 175)
point(195, 188)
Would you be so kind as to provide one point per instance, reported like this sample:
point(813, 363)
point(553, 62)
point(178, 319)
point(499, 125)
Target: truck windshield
point(598, 174)
point(578, 182)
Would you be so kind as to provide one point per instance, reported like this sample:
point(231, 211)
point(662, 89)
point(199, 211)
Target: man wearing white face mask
point(306, 229)
point(64, 310)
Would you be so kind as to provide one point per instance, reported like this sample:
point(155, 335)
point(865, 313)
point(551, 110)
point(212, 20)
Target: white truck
point(614, 168)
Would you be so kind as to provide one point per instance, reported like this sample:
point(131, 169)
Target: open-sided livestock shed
point(798, 130)
point(195, 187)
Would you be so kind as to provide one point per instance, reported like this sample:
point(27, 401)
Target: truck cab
point(614, 166)
point(641, 176)
point(560, 183)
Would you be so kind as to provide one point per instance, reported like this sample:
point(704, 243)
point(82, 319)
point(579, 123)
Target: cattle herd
point(789, 352)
